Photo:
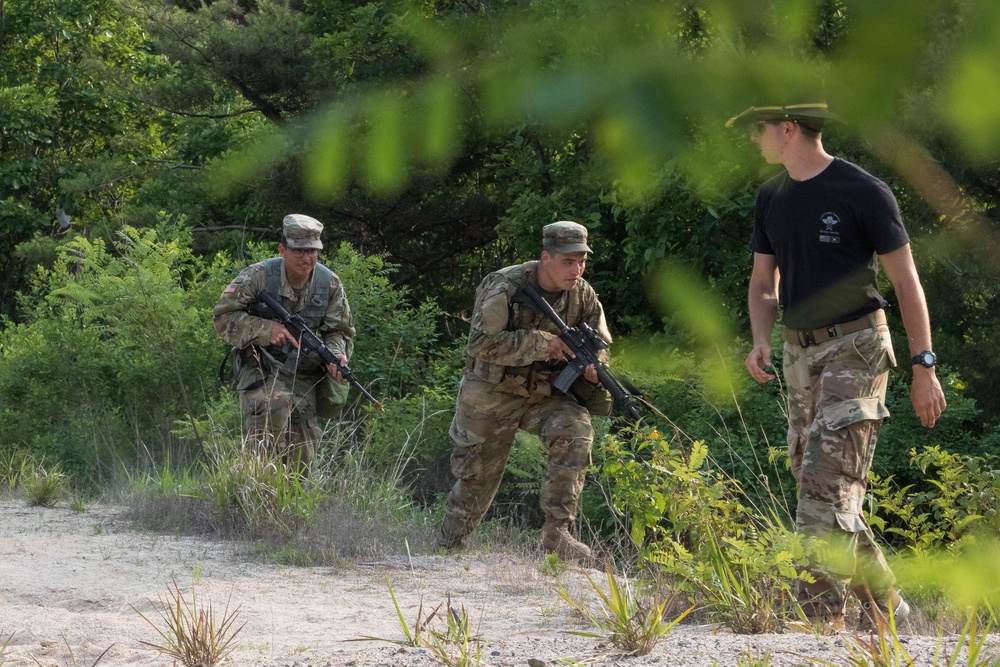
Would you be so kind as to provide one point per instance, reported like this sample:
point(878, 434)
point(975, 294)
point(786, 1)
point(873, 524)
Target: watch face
point(925, 358)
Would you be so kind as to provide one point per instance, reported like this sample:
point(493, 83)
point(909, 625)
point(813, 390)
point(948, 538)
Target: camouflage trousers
point(836, 404)
point(483, 430)
point(281, 413)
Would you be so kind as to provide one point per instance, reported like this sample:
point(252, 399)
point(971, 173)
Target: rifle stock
point(312, 343)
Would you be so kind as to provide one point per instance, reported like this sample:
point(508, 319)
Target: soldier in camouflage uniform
point(822, 227)
point(283, 393)
point(512, 358)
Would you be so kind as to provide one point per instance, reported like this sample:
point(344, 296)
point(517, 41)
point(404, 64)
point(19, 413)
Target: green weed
point(553, 566)
point(4, 645)
point(632, 622)
point(747, 581)
point(412, 636)
point(193, 635)
point(751, 659)
point(13, 464)
point(457, 645)
point(958, 502)
point(45, 487)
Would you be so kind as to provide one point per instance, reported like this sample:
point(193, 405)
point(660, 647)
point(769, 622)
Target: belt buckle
point(805, 338)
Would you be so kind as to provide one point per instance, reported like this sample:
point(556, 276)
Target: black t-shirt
point(825, 234)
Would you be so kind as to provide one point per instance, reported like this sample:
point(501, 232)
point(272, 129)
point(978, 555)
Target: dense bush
point(113, 354)
point(117, 365)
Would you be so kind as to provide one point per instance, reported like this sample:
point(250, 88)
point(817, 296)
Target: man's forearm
point(763, 316)
point(916, 320)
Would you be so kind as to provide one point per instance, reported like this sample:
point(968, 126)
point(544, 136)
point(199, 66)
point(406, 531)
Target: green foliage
point(73, 131)
point(456, 645)
point(553, 566)
point(171, 480)
point(667, 494)
point(6, 643)
point(962, 428)
point(116, 347)
point(888, 649)
point(687, 520)
point(411, 439)
point(956, 504)
point(411, 636)
point(750, 658)
point(13, 466)
point(739, 427)
point(396, 342)
point(747, 583)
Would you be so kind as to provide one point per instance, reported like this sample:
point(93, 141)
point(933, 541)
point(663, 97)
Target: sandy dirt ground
point(71, 582)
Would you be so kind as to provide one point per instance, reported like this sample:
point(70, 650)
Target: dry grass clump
point(193, 635)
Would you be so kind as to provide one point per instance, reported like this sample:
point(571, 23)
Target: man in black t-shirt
point(821, 228)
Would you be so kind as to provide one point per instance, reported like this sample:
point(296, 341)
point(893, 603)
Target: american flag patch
point(230, 288)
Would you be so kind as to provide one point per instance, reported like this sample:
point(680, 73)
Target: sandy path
point(68, 582)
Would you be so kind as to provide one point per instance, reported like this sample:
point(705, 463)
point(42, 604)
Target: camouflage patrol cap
point(812, 115)
point(301, 231)
point(565, 237)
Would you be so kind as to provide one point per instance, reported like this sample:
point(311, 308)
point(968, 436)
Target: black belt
point(807, 337)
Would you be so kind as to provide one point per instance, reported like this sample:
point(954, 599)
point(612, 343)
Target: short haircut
point(809, 132)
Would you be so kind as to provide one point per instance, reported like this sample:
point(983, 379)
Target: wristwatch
point(927, 359)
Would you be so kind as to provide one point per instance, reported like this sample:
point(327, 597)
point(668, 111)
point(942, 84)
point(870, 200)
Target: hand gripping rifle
point(585, 343)
point(310, 342)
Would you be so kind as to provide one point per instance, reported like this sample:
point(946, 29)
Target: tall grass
point(344, 507)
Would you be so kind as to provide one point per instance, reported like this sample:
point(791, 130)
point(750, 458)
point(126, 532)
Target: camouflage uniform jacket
point(509, 342)
point(321, 303)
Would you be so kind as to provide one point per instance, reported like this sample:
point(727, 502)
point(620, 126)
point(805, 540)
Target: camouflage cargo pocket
point(594, 397)
point(855, 423)
point(331, 396)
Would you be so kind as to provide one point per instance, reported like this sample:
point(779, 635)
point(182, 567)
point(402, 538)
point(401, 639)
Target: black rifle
point(585, 343)
point(310, 342)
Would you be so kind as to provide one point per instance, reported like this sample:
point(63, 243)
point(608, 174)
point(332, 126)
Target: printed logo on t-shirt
point(828, 234)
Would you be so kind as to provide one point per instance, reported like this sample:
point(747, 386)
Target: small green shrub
point(688, 522)
point(668, 494)
point(632, 622)
point(45, 486)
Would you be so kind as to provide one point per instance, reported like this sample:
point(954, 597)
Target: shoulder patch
point(230, 288)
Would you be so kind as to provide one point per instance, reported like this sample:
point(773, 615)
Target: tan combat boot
point(557, 539)
point(875, 611)
point(451, 536)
